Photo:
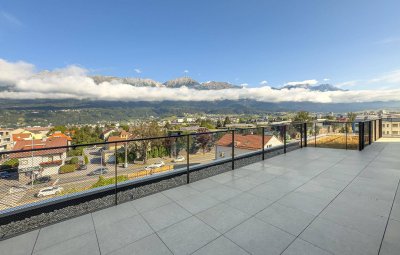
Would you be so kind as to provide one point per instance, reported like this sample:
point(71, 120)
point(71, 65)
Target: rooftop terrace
point(308, 201)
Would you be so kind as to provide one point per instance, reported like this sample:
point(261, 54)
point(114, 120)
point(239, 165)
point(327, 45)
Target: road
point(79, 180)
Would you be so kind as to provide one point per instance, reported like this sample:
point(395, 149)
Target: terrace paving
point(309, 201)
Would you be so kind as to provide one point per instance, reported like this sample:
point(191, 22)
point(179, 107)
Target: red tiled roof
point(59, 134)
point(248, 142)
point(21, 136)
point(115, 138)
point(38, 129)
point(26, 145)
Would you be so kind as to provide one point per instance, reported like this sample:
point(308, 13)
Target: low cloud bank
point(20, 80)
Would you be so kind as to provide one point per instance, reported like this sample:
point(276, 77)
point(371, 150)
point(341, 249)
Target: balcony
point(306, 201)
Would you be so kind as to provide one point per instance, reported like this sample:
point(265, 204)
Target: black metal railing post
point(380, 128)
point(346, 130)
point(369, 132)
point(284, 138)
point(116, 174)
point(263, 142)
point(301, 135)
point(187, 158)
point(360, 136)
point(305, 134)
point(315, 134)
point(233, 149)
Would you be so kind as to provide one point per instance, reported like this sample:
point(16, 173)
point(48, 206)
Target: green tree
point(351, 116)
point(227, 121)
point(302, 116)
point(144, 130)
point(125, 127)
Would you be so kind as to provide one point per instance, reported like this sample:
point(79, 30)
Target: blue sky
point(351, 43)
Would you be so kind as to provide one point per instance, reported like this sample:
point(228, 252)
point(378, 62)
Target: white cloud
point(389, 40)
point(309, 82)
point(15, 71)
point(326, 79)
point(390, 77)
point(137, 70)
point(263, 82)
point(9, 18)
point(244, 85)
point(186, 71)
point(73, 82)
point(346, 84)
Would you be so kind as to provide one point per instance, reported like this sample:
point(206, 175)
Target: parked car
point(40, 180)
point(99, 171)
point(49, 191)
point(179, 159)
point(155, 165)
point(82, 167)
point(5, 175)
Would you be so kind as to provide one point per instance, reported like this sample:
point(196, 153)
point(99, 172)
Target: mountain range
point(208, 85)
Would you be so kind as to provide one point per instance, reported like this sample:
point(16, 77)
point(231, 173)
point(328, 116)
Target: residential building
point(58, 134)
point(6, 142)
point(391, 126)
point(41, 162)
point(106, 133)
point(243, 144)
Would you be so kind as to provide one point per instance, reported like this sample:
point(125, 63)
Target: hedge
point(74, 160)
point(67, 169)
point(107, 181)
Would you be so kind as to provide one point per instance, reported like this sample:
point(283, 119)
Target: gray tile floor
point(309, 201)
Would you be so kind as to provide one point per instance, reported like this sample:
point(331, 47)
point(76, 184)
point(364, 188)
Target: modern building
point(6, 142)
point(391, 126)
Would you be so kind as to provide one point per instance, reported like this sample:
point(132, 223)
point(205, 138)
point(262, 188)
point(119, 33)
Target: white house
point(40, 162)
point(243, 144)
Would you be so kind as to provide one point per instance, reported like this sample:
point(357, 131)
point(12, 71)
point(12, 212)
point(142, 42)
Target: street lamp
point(32, 161)
point(126, 154)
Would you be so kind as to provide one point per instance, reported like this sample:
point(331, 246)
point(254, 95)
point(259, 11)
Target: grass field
point(338, 142)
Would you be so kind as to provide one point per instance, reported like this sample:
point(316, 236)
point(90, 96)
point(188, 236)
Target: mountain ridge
point(208, 85)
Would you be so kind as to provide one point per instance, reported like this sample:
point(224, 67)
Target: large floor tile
point(222, 192)
point(249, 203)
point(114, 213)
point(306, 203)
point(360, 220)
point(165, 216)
point(19, 245)
point(204, 184)
point(180, 192)
point(258, 237)
point(318, 191)
point(221, 246)
point(225, 177)
point(187, 236)
point(118, 234)
point(150, 245)
point(291, 220)
point(392, 234)
point(222, 217)
point(339, 239)
point(85, 244)
point(150, 202)
point(63, 231)
point(301, 247)
point(242, 184)
point(197, 203)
